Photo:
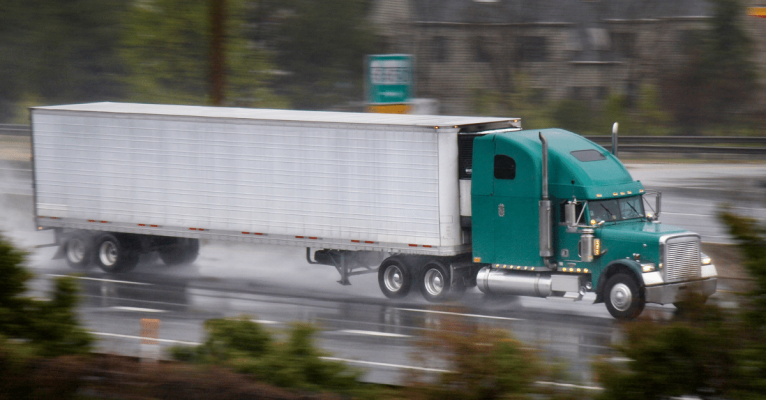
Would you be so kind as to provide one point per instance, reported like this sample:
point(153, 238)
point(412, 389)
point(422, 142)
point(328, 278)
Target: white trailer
point(116, 180)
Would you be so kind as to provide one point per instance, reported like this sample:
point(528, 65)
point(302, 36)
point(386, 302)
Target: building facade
point(578, 49)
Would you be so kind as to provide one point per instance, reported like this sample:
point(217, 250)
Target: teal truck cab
point(554, 213)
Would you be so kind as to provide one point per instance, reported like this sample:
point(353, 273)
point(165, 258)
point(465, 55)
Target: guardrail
point(718, 145)
point(14, 130)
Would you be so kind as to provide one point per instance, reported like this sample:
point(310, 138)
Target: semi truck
point(432, 203)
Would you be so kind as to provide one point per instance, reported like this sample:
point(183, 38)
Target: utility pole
point(217, 60)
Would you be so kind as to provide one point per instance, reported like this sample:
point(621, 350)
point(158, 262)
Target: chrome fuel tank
point(494, 281)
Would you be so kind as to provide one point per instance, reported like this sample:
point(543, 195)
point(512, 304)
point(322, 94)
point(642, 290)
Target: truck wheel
point(623, 298)
point(78, 253)
point(435, 282)
point(183, 252)
point(115, 255)
point(394, 278)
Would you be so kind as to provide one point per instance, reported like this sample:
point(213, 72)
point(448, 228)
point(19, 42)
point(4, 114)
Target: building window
point(532, 49)
point(440, 48)
point(624, 44)
point(481, 50)
point(505, 167)
point(577, 93)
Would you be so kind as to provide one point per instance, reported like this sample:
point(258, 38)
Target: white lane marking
point(379, 364)
point(100, 279)
point(142, 338)
point(373, 333)
point(459, 314)
point(137, 309)
point(568, 385)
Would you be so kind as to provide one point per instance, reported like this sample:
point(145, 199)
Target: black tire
point(78, 252)
point(115, 253)
point(435, 282)
point(394, 278)
point(185, 251)
point(623, 298)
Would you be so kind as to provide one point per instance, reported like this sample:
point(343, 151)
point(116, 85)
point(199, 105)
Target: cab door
point(516, 193)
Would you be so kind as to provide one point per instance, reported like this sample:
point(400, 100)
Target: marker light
point(648, 267)
point(597, 247)
point(706, 259)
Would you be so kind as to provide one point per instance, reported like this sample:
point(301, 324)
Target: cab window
point(505, 167)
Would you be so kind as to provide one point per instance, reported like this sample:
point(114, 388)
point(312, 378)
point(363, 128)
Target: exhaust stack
point(546, 249)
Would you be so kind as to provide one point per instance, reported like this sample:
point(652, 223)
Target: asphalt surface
point(275, 286)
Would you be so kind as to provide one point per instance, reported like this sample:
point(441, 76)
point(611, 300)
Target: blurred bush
point(245, 347)
point(483, 364)
point(706, 351)
point(49, 326)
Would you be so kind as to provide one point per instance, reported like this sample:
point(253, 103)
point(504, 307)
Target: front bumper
point(673, 292)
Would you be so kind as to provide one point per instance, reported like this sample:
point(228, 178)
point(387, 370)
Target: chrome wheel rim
point(393, 278)
point(433, 282)
point(75, 251)
point(621, 297)
point(107, 253)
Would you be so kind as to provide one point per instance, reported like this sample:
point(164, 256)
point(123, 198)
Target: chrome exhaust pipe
point(545, 211)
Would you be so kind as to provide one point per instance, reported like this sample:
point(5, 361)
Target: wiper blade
point(607, 210)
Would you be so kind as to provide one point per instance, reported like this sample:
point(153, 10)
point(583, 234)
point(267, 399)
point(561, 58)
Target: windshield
point(616, 210)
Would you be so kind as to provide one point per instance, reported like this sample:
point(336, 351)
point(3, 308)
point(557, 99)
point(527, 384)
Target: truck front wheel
point(115, 254)
point(394, 278)
point(435, 282)
point(623, 298)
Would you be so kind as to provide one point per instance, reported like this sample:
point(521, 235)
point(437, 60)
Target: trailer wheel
point(394, 278)
point(115, 254)
point(78, 253)
point(183, 252)
point(623, 298)
point(435, 282)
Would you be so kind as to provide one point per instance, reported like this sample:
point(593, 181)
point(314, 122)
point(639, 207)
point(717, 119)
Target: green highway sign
point(389, 78)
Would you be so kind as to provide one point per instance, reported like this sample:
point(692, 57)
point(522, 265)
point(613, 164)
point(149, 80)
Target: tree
point(51, 327)
point(59, 51)
point(166, 46)
point(321, 46)
point(717, 79)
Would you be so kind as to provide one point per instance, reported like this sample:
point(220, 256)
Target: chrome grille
point(682, 258)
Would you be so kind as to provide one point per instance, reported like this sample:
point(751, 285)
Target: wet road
point(276, 286)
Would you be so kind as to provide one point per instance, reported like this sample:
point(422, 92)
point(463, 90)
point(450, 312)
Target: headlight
point(648, 267)
point(705, 259)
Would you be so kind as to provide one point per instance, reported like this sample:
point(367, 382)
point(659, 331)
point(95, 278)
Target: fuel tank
point(495, 281)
